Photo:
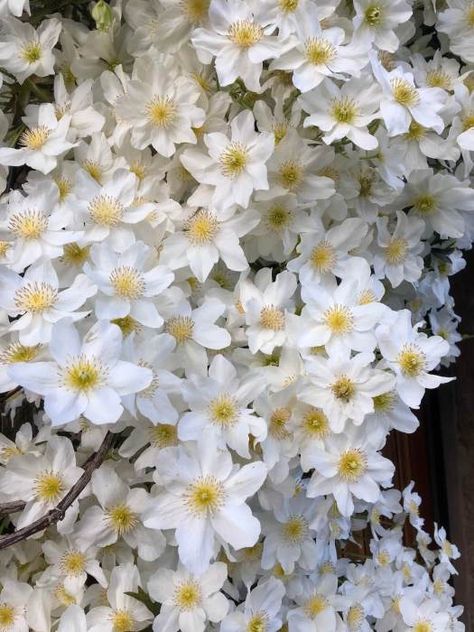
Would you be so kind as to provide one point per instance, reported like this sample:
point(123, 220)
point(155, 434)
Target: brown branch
point(12, 507)
point(58, 513)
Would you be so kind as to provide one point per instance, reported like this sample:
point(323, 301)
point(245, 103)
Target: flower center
point(122, 621)
point(352, 465)
point(412, 360)
point(295, 529)
point(31, 52)
point(415, 131)
point(366, 297)
point(196, 10)
point(16, 352)
point(35, 137)
point(233, 160)
point(202, 228)
point(84, 374)
point(272, 318)
point(105, 210)
point(384, 402)
point(93, 169)
point(127, 325)
point(344, 110)
point(470, 19)
point(439, 79)
point(127, 282)
point(181, 328)
point(425, 204)
point(468, 121)
point(339, 319)
point(278, 421)
point(343, 389)
point(73, 563)
point(290, 174)
point(28, 224)
point(396, 251)
point(74, 255)
point(245, 33)
point(315, 423)
point(279, 132)
point(319, 51)
point(278, 217)
point(315, 605)
point(7, 616)
point(288, 6)
point(204, 496)
point(64, 187)
point(422, 626)
point(404, 93)
point(35, 297)
point(373, 15)
point(63, 596)
point(223, 410)
point(355, 617)
point(163, 436)
point(323, 257)
point(257, 623)
point(48, 486)
point(121, 518)
point(161, 111)
point(383, 558)
point(187, 595)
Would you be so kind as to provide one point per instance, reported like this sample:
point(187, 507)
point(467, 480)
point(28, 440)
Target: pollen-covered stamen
point(404, 92)
point(278, 423)
point(352, 464)
point(315, 423)
point(31, 52)
point(339, 319)
point(121, 518)
point(8, 614)
point(373, 15)
point(396, 251)
point(75, 255)
point(201, 228)
point(290, 174)
point(323, 257)
point(64, 597)
point(35, 137)
point(73, 563)
point(181, 328)
point(412, 360)
point(105, 210)
point(295, 529)
point(343, 389)
point(415, 131)
point(366, 297)
point(279, 131)
point(278, 217)
point(315, 605)
point(245, 33)
point(195, 10)
point(4, 247)
point(319, 51)
point(94, 169)
point(161, 111)
point(84, 373)
point(35, 297)
point(288, 6)
point(344, 110)
point(233, 160)
point(425, 204)
point(470, 15)
point(272, 317)
point(437, 78)
point(258, 622)
point(64, 187)
point(48, 486)
point(127, 282)
point(385, 402)
point(122, 621)
point(223, 410)
point(187, 595)
point(355, 618)
point(468, 121)
point(16, 352)
point(29, 224)
point(163, 436)
point(423, 626)
point(204, 496)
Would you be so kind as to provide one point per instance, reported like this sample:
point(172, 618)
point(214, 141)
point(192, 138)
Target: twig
point(13, 507)
point(59, 511)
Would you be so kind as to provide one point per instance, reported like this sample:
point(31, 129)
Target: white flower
point(36, 299)
point(188, 601)
point(419, 613)
point(14, 598)
point(42, 143)
point(85, 119)
point(86, 378)
point(349, 467)
point(73, 619)
point(239, 38)
point(343, 112)
point(377, 21)
point(25, 51)
point(127, 283)
point(233, 167)
point(411, 355)
point(159, 108)
point(317, 603)
point(456, 21)
point(261, 609)
point(204, 501)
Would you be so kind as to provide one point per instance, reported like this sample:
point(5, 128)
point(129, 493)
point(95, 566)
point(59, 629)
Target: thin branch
point(58, 513)
point(13, 507)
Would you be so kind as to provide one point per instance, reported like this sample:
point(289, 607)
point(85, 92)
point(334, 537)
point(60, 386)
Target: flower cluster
point(227, 230)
